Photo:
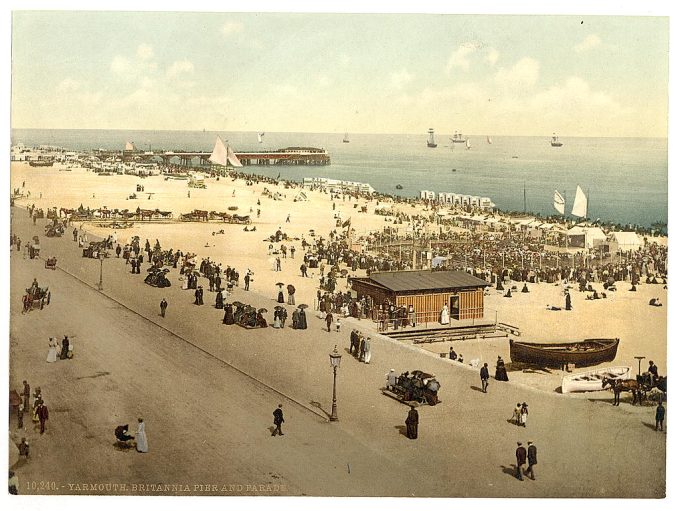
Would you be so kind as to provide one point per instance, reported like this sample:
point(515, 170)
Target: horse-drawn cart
point(36, 298)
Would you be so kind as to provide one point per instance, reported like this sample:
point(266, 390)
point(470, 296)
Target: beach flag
point(558, 202)
point(580, 208)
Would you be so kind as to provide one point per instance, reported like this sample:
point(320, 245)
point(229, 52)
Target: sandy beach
point(134, 362)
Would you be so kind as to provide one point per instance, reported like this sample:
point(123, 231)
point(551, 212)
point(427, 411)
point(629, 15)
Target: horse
point(619, 386)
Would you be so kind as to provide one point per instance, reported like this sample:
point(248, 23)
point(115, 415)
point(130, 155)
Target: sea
point(625, 179)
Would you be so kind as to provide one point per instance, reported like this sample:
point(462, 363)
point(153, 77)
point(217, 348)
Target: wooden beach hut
point(427, 291)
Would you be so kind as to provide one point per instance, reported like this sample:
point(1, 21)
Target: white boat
point(259, 137)
point(592, 380)
point(467, 143)
point(488, 139)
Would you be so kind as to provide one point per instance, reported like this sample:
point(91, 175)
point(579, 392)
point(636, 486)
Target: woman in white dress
point(367, 350)
point(142, 444)
point(444, 316)
point(52, 353)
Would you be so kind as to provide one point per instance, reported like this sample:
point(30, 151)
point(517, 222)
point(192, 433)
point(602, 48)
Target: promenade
point(206, 392)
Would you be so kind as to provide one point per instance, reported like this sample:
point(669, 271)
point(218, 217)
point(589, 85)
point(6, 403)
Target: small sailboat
point(467, 144)
point(259, 137)
point(430, 138)
point(580, 207)
point(555, 141)
point(345, 140)
point(488, 139)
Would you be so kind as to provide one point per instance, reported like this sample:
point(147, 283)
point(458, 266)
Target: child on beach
point(337, 325)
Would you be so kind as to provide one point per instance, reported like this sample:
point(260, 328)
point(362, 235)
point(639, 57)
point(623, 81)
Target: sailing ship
point(345, 140)
point(457, 138)
point(224, 155)
point(430, 138)
point(580, 207)
point(467, 143)
point(555, 141)
point(488, 139)
point(259, 137)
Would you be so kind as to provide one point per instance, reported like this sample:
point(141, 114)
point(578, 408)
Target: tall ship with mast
point(457, 138)
point(430, 138)
point(555, 141)
point(345, 140)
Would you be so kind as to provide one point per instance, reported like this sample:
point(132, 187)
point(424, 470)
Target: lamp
point(335, 358)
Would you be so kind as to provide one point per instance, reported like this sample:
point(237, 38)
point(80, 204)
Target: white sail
point(259, 137)
point(231, 158)
point(558, 202)
point(467, 143)
point(223, 155)
point(580, 208)
point(488, 140)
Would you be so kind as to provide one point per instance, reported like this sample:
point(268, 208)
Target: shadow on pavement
point(316, 404)
point(511, 471)
point(476, 388)
point(401, 429)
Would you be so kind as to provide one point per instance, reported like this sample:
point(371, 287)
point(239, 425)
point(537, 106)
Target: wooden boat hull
point(585, 353)
point(592, 380)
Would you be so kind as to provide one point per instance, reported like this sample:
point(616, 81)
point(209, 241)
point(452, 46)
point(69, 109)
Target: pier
point(284, 156)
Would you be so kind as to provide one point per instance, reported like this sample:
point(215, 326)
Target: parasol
point(279, 308)
point(280, 284)
point(303, 306)
point(291, 289)
point(238, 304)
point(262, 310)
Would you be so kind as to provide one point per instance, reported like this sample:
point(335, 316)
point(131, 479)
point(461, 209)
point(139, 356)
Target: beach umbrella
point(280, 284)
point(303, 306)
point(262, 310)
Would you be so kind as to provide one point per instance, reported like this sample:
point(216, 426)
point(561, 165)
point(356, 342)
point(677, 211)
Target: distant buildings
point(336, 185)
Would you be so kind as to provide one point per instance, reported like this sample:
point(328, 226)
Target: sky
point(602, 76)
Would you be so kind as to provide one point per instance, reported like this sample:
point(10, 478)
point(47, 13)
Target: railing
point(426, 318)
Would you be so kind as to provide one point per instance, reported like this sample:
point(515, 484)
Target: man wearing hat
point(531, 456)
point(278, 420)
point(521, 456)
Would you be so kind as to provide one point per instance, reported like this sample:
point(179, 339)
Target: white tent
point(589, 236)
point(625, 240)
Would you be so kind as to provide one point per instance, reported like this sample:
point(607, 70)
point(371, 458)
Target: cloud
point(590, 42)
point(523, 75)
point(492, 56)
point(145, 52)
point(120, 65)
point(179, 67)
point(399, 79)
point(232, 27)
point(459, 58)
point(323, 80)
point(68, 85)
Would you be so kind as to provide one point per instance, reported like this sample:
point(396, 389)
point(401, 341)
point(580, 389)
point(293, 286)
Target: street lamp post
point(101, 255)
point(335, 363)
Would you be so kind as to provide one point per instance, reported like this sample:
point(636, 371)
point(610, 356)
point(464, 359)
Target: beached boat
point(430, 138)
point(41, 163)
point(589, 352)
point(592, 380)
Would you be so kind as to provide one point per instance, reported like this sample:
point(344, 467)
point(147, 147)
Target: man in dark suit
point(533, 460)
point(484, 375)
point(164, 306)
point(278, 420)
point(521, 456)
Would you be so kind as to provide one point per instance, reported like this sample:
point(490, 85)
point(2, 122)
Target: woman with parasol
point(260, 322)
point(277, 316)
point(280, 297)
